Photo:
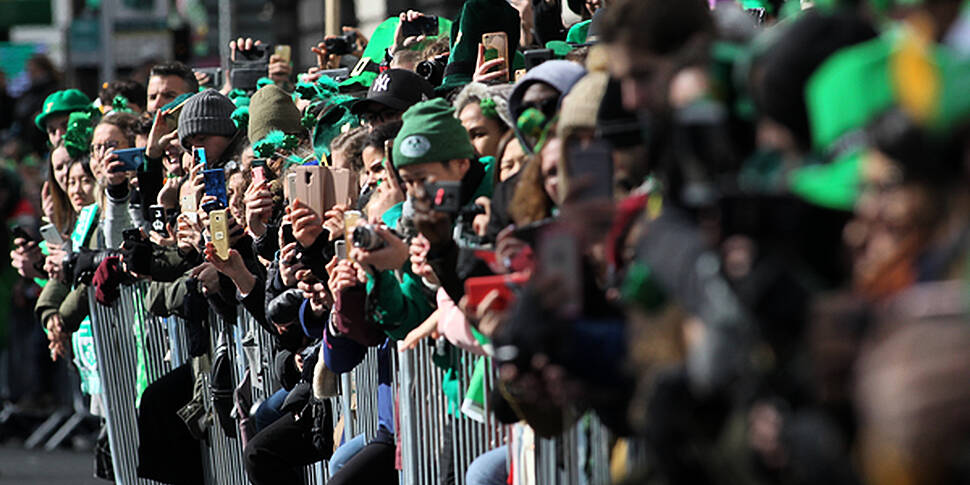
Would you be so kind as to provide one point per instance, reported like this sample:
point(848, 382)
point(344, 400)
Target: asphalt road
point(37, 467)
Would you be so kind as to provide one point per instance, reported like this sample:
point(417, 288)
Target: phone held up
point(496, 45)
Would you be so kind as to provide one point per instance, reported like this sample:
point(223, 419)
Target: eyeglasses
point(100, 147)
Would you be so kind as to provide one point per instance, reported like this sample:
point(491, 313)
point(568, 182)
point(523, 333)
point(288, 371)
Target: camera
point(341, 45)
point(366, 238)
point(433, 69)
point(249, 66)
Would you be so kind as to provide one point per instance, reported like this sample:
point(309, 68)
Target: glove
point(107, 277)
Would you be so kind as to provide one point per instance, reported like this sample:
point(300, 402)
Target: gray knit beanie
point(208, 112)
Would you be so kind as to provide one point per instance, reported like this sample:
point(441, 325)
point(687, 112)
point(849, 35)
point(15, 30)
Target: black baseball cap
point(396, 89)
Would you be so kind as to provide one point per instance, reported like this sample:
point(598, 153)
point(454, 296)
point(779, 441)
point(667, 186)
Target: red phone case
point(476, 289)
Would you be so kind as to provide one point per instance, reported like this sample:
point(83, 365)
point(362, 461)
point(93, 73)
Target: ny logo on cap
point(381, 83)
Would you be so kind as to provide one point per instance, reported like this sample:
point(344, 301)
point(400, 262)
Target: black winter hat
point(208, 112)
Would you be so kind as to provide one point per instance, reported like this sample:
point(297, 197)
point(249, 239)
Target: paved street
point(37, 467)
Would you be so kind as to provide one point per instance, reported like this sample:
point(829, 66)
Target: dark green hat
point(478, 17)
point(270, 109)
point(62, 102)
point(431, 133)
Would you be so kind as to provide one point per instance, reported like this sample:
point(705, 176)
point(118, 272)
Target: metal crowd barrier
point(118, 329)
point(426, 420)
point(358, 405)
point(426, 424)
point(115, 330)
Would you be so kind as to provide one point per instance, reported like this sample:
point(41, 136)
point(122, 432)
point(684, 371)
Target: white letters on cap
point(381, 83)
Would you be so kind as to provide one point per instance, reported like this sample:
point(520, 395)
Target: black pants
point(373, 464)
point(278, 453)
point(167, 453)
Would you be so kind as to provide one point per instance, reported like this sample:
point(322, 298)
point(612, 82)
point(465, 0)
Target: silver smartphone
point(340, 247)
point(50, 234)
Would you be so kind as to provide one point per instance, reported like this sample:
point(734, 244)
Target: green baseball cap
point(431, 133)
point(62, 102)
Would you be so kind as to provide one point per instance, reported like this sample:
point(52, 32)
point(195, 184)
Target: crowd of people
point(738, 232)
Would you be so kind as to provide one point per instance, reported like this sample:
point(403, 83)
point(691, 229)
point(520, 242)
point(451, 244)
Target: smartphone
point(19, 233)
point(476, 289)
point(283, 51)
point(534, 57)
point(340, 248)
point(198, 156)
point(219, 230)
point(215, 185)
point(339, 74)
point(173, 110)
point(590, 169)
point(258, 168)
point(50, 234)
point(158, 219)
point(445, 196)
point(290, 186)
point(529, 232)
point(212, 205)
point(133, 158)
point(559, 258)
point(131, 235)
point(288, 236)
point(314, 187)
point(496, 46)
point(426, 25)
point(188, 204)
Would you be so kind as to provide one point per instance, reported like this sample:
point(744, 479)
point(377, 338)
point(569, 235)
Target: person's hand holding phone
point(513, 254)
point(418, 255)
point(197, 183)
point(343, 275)
point(26, 257)
point(114, 169)
point(279, 69)
point(334, 221)
point(434, 225)
point(188, 234)
point(259, 207)
point(166, 241)
point(233, 267)
point(401, 40)
point(208, 278)
point(307, 225)
point(54, 264)
point(289, 265)
point(485, 71)
point(159, 137)
point(391, 256)
point(316, 292)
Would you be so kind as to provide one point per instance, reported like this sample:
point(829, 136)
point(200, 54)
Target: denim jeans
point(491, 468)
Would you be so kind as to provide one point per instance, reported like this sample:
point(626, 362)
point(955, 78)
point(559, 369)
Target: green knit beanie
point(431, 133)
point(272, 109)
